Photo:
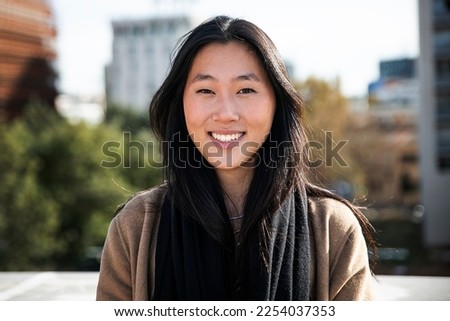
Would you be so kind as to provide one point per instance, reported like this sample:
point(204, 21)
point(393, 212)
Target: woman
point(236, 218)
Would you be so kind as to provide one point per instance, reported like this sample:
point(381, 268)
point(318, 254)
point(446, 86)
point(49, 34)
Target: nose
point(226, 110)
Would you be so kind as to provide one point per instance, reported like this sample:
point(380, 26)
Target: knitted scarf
point(191, 266)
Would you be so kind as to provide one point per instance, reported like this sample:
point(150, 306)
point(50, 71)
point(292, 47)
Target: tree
point(28, 216)
point(326, 120)
point(56, 198)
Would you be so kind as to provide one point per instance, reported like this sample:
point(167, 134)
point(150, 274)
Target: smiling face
point(229, 104)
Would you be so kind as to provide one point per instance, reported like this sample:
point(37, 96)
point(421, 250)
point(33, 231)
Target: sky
point(328, 39)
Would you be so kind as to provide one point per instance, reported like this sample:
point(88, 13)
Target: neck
point(235, 184)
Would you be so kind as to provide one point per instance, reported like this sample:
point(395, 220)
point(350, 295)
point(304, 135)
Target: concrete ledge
point(412, 288)
point(48, 286)
point(81, 286)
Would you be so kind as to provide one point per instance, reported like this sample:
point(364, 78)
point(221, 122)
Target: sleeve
point(114, 282)
point(340, 257)
point(350, 276)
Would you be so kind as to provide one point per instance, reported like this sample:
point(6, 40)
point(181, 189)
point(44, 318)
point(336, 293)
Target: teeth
point(226, 138)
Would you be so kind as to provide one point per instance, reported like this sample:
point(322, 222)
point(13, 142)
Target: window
point(441, 7)
point(442, 39)
point(443, 69)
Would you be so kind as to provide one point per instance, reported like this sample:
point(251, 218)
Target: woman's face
point(229, 104)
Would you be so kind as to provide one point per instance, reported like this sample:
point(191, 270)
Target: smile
point(225, 138)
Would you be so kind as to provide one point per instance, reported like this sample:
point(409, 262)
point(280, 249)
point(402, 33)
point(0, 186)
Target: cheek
point(263, 119)
point(195, 119)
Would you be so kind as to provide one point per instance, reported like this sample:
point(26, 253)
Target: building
point(75, 108)
point(397, 86)
point(434, 124)
point(398, 68)
point(27, 55)
point(141, 57)
point(391, 120)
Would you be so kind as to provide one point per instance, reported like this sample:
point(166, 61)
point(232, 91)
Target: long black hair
point(281, 164)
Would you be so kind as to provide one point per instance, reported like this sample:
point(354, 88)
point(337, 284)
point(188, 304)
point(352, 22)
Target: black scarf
point(191, 266)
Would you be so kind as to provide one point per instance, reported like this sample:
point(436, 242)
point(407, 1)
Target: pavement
point(48, 286)
point(81, 286)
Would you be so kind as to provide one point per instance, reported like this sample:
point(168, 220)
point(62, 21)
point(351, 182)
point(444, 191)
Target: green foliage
point(56, 198)
point(28, 216)
point(126, 118)
point(137, 152)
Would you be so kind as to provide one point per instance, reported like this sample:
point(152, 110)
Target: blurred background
point(76, 78)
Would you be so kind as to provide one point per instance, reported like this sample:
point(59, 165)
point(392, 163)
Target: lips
point(226, 138)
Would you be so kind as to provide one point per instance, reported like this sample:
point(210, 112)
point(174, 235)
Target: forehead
point(233, 54)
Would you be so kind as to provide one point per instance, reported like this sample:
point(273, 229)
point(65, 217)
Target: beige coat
point(339, 259)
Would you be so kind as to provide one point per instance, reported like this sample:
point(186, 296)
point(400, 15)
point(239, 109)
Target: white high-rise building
point(141, 57)
point(434, 120)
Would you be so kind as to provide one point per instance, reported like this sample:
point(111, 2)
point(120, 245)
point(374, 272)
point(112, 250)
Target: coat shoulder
point(330, 212)
point(145, 202)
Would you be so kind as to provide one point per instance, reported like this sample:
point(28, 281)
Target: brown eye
point(246, 91)
point(204, 91)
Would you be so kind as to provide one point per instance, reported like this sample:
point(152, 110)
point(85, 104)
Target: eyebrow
point(248, 76)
